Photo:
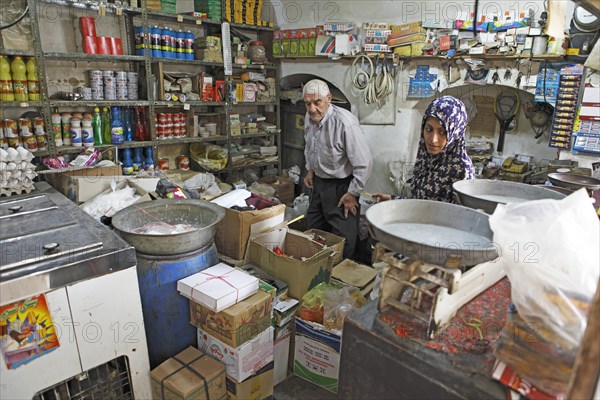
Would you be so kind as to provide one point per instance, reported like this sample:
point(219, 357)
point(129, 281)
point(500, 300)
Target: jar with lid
point(257, 52)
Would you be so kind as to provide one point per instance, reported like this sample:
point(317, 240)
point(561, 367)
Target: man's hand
point(382, 197)
point(350, 204)
point(309, 179)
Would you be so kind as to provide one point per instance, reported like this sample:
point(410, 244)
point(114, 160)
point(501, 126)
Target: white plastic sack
point(550, 250)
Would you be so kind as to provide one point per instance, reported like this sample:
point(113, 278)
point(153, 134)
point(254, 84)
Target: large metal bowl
point(573, 181)
point(485, 194)
point(432, 231)
point(203, 217)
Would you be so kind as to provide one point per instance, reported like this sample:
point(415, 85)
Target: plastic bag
point(550, 250)
point(338, 303)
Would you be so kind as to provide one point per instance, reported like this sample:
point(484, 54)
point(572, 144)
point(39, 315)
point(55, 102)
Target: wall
point(398, 141)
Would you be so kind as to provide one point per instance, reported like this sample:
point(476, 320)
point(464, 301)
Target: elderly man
point(338, 162)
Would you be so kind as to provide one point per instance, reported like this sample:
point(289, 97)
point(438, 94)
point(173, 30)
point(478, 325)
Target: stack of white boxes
point(232, 311)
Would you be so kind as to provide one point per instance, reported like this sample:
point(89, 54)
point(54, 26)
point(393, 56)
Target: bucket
point(166, 312)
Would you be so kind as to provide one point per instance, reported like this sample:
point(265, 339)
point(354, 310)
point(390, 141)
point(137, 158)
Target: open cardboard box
point(305, 265)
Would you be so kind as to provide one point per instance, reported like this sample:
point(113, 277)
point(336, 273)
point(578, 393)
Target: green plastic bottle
point(6, 84)
point(19, 77)
point(97, 127)
point(105, 118)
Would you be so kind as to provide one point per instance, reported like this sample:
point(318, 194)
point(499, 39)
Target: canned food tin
point(42, 142)
point(4, 143)
point(183, 163)
point(14, 142)
point(10, 128)
point(30, 143)
point(25, 122)
point(163, 164)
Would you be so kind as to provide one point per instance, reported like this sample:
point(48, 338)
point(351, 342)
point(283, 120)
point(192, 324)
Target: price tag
point(262, 67)
point(244, 66)
point(198, 22)
point(24, 104)
point(102, 10)
point(186, 106)
point(180, 18)
point(119, 11)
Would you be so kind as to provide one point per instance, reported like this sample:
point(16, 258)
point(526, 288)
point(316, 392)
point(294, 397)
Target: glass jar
point(257, 52)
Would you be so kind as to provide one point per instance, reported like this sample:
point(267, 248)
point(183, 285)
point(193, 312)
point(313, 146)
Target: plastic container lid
point(256, 43)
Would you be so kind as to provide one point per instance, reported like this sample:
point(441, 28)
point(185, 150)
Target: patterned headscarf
point(434, 175)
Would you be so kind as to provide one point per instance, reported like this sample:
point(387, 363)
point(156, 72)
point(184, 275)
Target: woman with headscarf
point(442, 156)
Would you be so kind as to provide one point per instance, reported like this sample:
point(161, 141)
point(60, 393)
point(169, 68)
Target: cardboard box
point(177, 377)
point(281, 355)
point(330, 240)
point(281, 287)
point(243, 361)
point(284, 311)
point(63, 180)
point(257, 387)
point(235, 229)
point(317, 355)
point(218, 287)
point(354, 274)
point(239, 323)
point(305, 265)
point(284, 188)
point(86, 190)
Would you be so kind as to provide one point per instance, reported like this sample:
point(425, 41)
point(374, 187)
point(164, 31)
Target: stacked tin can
point(121, 85)
point(132, 85)
point(97, 84)
point(24, 132)
point(170, 125)
point(110, 85)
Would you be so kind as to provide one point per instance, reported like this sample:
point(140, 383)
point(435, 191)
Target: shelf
point(258, 164)
point(255, 66)
point(94, 5)
point(252, 135)
point(192, 140)
point(99, 103)
point(40, 153)
point(9, 52)
point(125, 145)
point(252, 27)
point(188, 19)
point(177, 61)
point(21, 104)
point(255, 103)
point(173, 104)
point(548, 57)
point(93, 57)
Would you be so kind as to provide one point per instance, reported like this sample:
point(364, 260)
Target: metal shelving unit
point(45, 60)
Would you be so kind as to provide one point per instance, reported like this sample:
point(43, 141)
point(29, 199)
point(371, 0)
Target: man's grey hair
point(316, 86)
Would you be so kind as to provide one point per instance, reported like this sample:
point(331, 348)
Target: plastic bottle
point(87, 132)
point(155, 40)
point(189, 45)
point(116, 127)
point(66, 128)
point(97, 127)
point(172, 43)
point(127, 124)
point(105, 117)
point(6, 83)
point(33, 87)
point(19, 78)
point(140, 128)
point(180, 44)
point(138, 159)
point(57, 130)
point(76, 136)
point(165, 42)
point(149, 161)
point(127, 162)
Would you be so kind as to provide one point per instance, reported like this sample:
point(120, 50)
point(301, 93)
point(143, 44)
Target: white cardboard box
point(243, 361)
point(218, 287)
point(281, 355)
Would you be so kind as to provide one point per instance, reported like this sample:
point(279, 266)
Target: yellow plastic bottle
point(19, 77)
point(33, 87)
point(6, 85)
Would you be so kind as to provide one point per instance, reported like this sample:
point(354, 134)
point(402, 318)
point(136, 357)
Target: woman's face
point(434, 136)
